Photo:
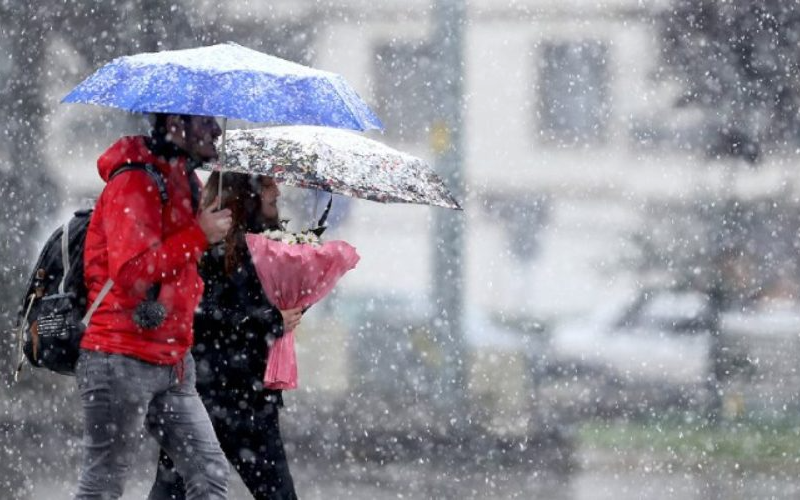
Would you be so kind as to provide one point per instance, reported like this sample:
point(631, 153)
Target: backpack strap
point(64, 256)
point(100, 296)
point(152, 171)
point(21, 336)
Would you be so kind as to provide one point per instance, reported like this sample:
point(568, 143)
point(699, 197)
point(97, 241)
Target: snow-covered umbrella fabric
point(335, 161)
point(230, 81)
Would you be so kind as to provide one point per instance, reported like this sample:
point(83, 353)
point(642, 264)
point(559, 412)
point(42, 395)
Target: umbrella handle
point(221, 161)
point(321, 226)
point(316, 205)
point(324, 218)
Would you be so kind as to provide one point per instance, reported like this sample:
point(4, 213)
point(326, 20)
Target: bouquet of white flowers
point(308, 237)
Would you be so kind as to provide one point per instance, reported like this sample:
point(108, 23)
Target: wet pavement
point(597, 477)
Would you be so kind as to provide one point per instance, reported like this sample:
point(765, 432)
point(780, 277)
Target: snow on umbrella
point(336, 161)
point(229, 81)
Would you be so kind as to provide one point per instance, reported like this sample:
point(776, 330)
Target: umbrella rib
point(346, 100)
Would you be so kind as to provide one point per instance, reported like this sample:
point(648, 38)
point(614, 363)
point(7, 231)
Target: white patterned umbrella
point(335, 161)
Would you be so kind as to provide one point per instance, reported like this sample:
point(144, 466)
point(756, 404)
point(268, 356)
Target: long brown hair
point(241, 193)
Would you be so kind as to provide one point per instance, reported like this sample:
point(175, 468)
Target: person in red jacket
point(134, 370)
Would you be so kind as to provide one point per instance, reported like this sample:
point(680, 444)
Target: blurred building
point(568, 135)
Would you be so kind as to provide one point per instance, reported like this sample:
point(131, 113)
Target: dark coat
point(232, 327)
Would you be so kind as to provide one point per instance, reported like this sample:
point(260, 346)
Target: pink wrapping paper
point(295, 276)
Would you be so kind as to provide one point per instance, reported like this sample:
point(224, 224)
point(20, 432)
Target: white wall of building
point(592, 188)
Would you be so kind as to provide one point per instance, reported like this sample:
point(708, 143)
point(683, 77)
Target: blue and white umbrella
point(229, 81)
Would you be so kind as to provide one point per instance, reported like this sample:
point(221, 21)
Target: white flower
point(290, 238)
point(274, 234)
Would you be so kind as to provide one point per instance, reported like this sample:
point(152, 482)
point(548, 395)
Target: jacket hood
point(130, 149)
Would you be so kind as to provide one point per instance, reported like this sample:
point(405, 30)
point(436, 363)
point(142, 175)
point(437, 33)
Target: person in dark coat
point(234, 326)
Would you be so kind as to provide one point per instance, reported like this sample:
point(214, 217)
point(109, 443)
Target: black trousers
point(251, 440)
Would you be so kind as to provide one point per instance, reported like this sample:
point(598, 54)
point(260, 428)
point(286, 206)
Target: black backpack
point(54, 311)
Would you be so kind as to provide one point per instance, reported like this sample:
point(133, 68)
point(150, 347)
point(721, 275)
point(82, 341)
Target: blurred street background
point(615, 313)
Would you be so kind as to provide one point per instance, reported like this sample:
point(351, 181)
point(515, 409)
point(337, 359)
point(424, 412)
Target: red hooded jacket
point(136, 241)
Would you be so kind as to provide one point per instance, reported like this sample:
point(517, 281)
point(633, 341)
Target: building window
point(403, 89)
point(573, 93)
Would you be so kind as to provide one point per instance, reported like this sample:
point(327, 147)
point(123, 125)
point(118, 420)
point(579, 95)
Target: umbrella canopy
point(335, 161)
point(230, 81)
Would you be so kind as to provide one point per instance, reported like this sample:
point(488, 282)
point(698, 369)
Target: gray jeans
point(121, 396)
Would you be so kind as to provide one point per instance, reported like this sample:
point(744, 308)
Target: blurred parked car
point(649, 351)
